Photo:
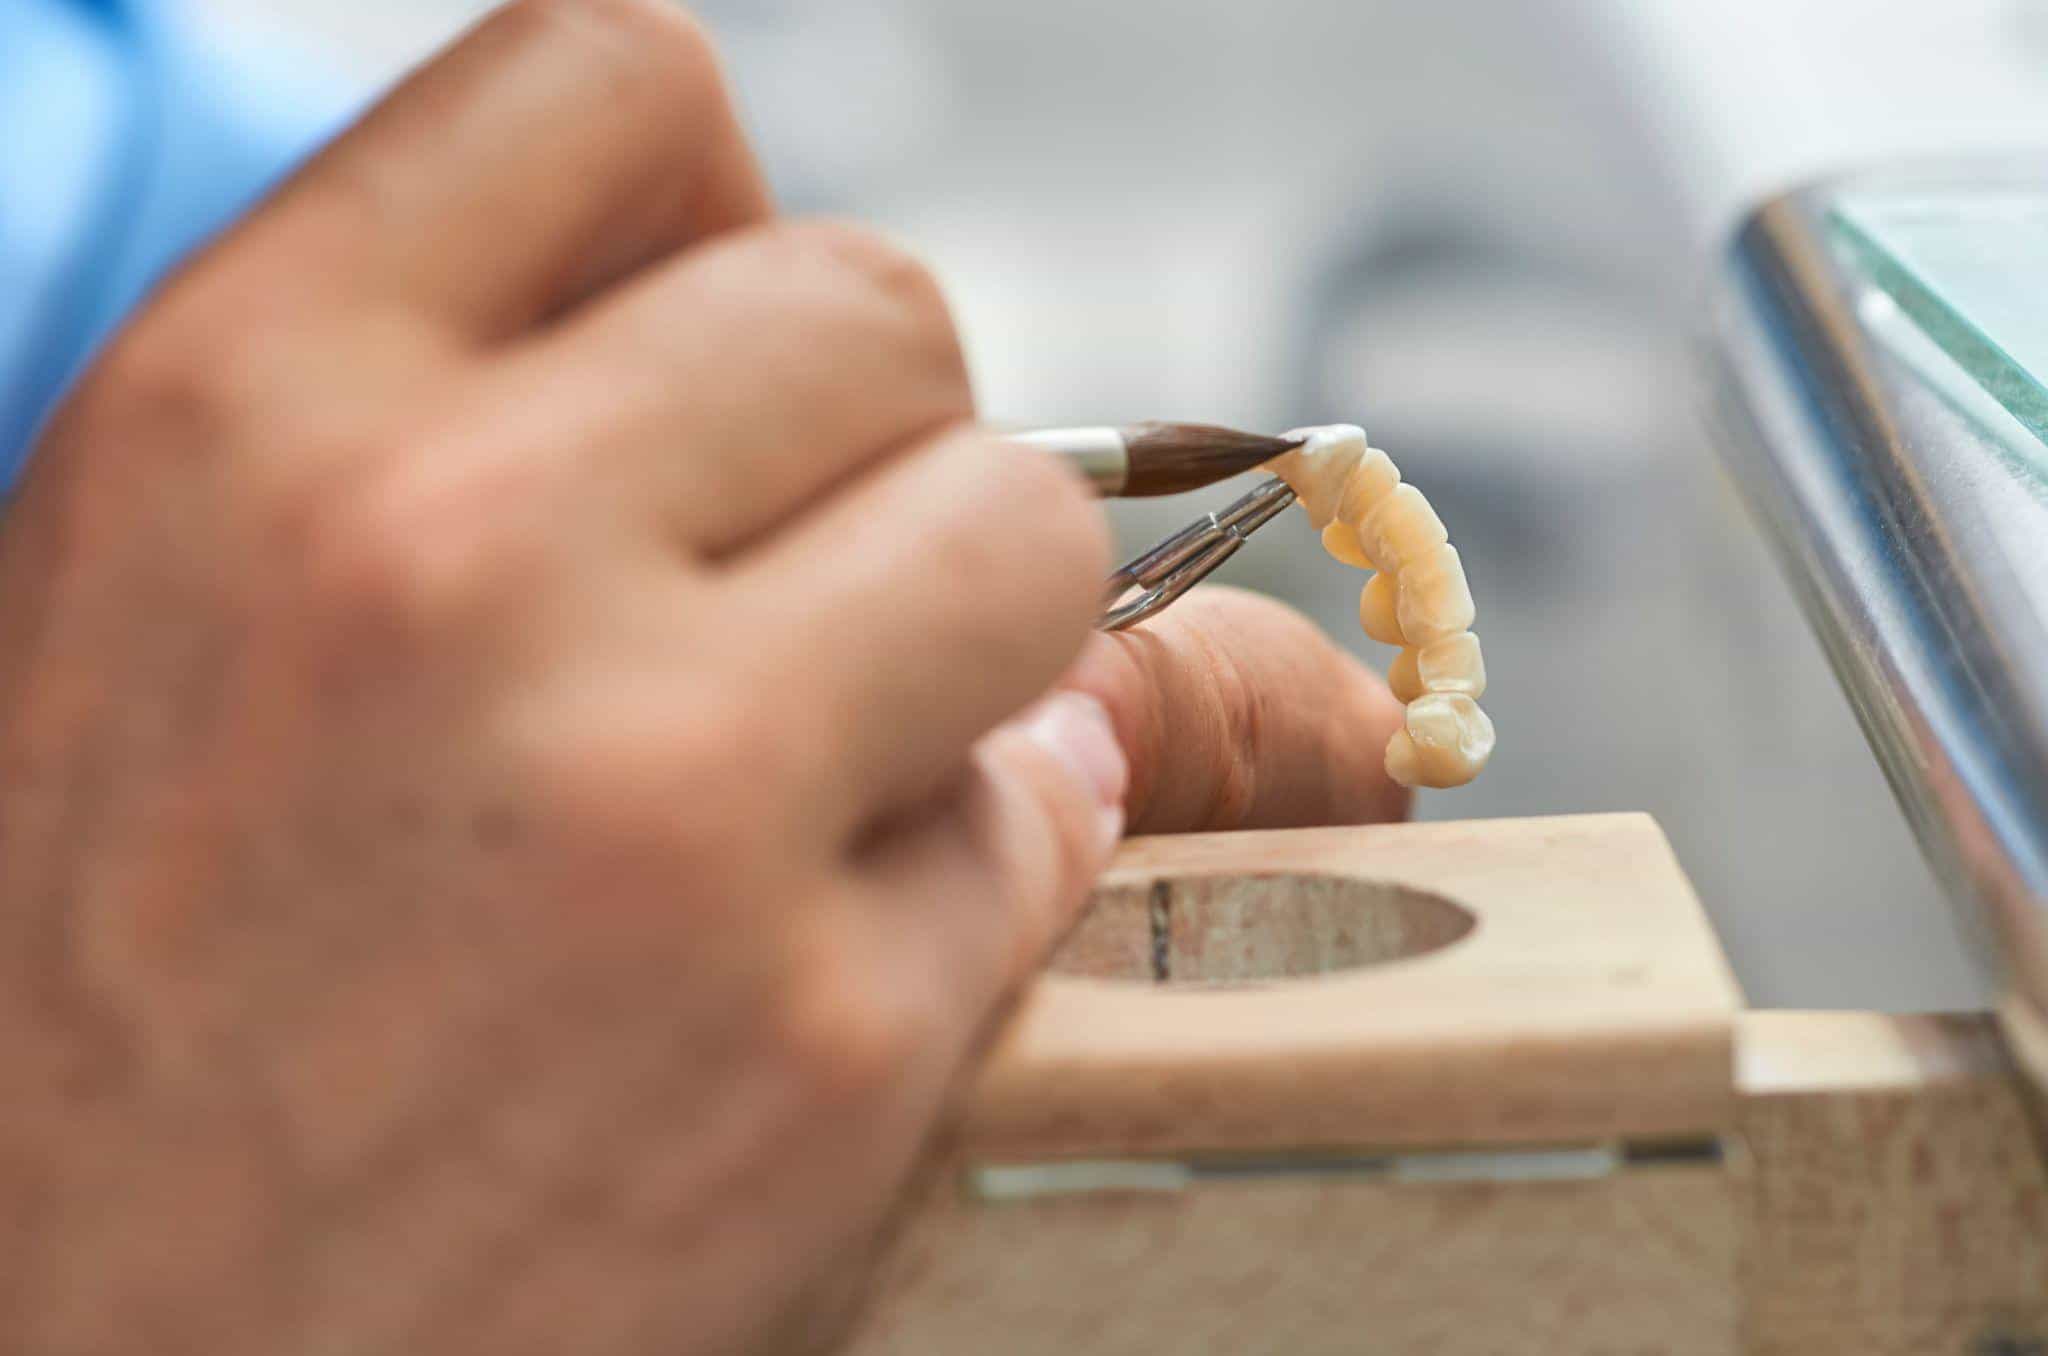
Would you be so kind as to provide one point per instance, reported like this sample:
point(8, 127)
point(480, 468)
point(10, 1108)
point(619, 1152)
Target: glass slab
point(1958, 288)
point(1971, 270)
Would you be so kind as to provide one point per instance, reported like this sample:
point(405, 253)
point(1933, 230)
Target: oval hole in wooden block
point(1234, 931)
point(1586, 1001)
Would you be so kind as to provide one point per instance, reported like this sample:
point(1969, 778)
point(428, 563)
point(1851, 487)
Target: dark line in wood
point(1159, 911)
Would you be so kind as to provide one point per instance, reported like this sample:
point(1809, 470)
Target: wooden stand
point(1457, 1088)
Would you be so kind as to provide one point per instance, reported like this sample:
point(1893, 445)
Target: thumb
point(976, 891)
point(1237, 712)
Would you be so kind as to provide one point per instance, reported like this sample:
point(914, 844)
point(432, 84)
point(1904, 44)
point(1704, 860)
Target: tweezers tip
point(1189, 556)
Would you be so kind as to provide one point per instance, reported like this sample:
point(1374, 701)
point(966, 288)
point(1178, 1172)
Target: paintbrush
point(1140, 460)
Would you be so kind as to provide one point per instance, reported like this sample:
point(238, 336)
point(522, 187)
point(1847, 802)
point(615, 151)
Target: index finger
point(558, 146)
point(1238, 713)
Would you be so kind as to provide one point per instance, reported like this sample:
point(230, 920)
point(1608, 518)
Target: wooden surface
point(1884, 1195)
point(1852, 1183)
point(1642, 1263)
point(1895, 1198)
point(1525, 981)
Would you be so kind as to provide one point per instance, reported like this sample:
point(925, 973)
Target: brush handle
point(1100, 455)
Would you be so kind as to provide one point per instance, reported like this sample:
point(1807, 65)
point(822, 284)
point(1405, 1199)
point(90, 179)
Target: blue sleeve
point(150, 135)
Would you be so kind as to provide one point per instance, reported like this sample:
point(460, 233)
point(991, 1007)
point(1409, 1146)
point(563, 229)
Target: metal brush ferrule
point(1099, 454)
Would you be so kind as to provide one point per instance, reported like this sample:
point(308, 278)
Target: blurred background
point(1479, 229)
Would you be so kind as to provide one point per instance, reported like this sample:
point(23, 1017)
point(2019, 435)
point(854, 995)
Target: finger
point(561, 144)
point(973, 897)
point(939, 594)
point(1239, 713)
point(946, 916)
point(792, 354)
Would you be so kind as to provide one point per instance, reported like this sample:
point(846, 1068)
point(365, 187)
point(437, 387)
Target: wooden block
point(1641, 1261)
point(1896, 1199)
point(1501, 982)
point(1274, 1103)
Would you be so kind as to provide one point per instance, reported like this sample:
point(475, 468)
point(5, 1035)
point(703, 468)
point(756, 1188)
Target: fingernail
point(1075, 729)
point(1109, 827)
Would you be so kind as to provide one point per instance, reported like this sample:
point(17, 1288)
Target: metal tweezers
point(1189, 556)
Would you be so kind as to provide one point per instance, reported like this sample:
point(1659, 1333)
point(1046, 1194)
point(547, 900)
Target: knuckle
point(672, 55)
point(370, 561)
point(887, 266)
point(908, 290)
point(401, 554)
point(169, 375)
point(201, 371)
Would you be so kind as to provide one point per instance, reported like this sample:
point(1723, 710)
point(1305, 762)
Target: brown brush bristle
point(1171, 458)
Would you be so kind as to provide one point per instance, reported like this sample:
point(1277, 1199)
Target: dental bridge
point(1490, 1086)
point(1418, 598)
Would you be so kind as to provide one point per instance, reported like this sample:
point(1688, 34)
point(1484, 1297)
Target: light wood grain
point(1879, 1188)
point(1640, 1263)
point(1885, 1196)
point(1896, 1200)
point(1588, 1000)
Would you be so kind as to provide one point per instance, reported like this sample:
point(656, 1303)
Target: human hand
point(1239, 713)
point(502, 846)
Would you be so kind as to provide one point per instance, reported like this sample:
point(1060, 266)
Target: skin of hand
point(1238, 713)
point(524, 773)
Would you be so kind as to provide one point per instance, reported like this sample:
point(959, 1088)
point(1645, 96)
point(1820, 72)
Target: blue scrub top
point(129, 134)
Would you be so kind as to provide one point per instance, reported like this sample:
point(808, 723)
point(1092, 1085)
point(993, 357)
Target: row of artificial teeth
point(1419, 599)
